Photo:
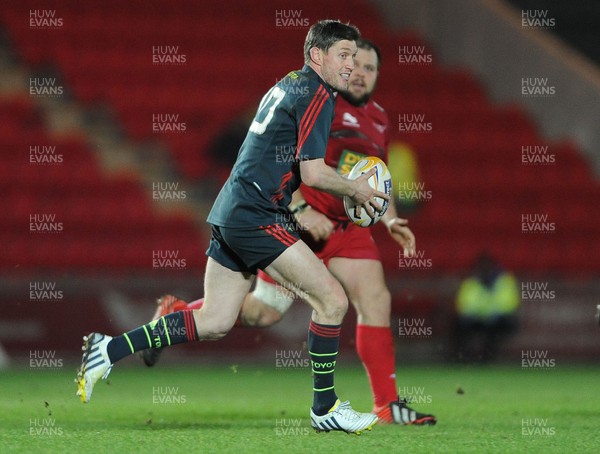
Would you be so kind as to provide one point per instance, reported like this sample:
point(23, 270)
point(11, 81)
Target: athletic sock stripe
point(129, 342)
point(320, 390)
point(186, 322)
point(147, 336)
point(329, 332)
point(166, 330)
point(325, 333)
point(324, 328)
point(190, 325)
point(322, 354)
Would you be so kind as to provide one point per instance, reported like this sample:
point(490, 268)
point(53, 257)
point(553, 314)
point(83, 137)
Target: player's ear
point(316, 55)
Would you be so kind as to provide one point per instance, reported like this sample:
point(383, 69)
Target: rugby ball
point(381, 181)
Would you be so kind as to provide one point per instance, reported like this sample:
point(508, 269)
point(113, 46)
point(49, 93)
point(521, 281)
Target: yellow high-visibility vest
point(476, 300)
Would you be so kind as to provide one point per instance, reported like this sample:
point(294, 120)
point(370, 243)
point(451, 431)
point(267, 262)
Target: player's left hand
point(403, 235)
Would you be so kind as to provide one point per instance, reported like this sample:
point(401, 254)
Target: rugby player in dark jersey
point(251, 231)
point(360, 128)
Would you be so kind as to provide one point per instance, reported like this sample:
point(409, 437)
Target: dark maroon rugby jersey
point(292, 124)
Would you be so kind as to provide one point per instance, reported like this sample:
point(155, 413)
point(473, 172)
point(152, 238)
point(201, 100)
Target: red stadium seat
point(470, 160)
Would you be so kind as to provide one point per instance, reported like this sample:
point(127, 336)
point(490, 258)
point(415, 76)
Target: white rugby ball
point(381, 181)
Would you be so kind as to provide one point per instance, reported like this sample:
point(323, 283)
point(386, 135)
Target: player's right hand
point(315, 223)
point(365, 194)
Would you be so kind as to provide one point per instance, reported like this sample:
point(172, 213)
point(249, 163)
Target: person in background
point(486, 307)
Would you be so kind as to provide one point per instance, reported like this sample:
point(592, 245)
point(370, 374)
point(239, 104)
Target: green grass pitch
point(248, 409)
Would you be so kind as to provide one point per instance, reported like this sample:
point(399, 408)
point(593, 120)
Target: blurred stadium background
point(119, 122)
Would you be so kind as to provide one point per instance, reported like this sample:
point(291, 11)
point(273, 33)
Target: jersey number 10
point(266, 109)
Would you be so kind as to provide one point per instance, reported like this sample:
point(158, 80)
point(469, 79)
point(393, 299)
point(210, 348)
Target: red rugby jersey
point(356, 132)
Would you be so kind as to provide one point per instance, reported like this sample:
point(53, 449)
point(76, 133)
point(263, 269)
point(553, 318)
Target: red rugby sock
point(375, 347)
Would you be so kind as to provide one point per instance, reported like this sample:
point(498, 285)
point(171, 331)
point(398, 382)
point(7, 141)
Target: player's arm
point(316, 174)
point(397, 227)
point(314, 222)
point(313, 115)
point(399, 231)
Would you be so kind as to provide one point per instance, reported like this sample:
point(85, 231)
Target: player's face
point(364, 76)
point(337, 64)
